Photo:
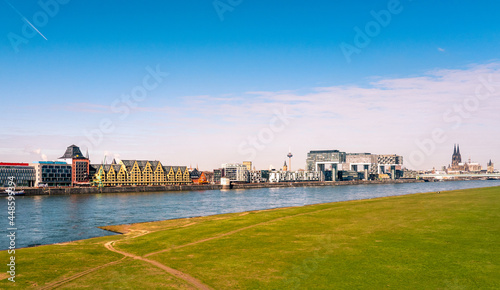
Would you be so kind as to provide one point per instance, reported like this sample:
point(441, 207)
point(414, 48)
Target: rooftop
point(72, 151)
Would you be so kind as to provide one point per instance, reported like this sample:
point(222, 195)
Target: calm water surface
point(55, 219)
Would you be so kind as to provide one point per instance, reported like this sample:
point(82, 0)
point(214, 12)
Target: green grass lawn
point(449, 240)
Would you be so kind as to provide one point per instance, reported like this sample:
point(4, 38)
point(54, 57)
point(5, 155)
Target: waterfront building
point(198, 177)
point(346, 175)
point(209, 175)
point(474, 167)
point(457, 166)
point(248, 164)
point(295, 176)
point(218, 173)
point(390, 164)
point(326, 161)
point(409, 174)
point(235, 172)
point(362, 163)
point(140, 173)
point(24, 175)
point(80, 165)
point(302, 175)
point(52, 173)
point(258, 176)
point(335, 164)
point(491, 167)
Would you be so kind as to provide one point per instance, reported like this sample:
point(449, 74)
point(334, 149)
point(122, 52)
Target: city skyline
point(189, 83)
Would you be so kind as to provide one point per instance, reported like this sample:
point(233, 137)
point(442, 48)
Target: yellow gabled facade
point(135, 175)
point(147, 174)
point(110, 176)
point(122, 176)
point(159, 177)
point(140, 173)
point(186, 178)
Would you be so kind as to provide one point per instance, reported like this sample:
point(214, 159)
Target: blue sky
point(229, 75)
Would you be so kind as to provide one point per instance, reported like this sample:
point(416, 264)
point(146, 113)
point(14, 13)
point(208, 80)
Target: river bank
point(196, 187)
point(48, 219)
point(404, 237)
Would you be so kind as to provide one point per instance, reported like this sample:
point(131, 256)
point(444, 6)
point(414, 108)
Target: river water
point(56, 219)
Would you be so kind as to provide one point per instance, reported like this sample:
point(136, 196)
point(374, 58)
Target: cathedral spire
point(454, 149)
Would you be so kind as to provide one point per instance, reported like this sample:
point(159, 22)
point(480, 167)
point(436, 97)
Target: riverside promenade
point(196, 187)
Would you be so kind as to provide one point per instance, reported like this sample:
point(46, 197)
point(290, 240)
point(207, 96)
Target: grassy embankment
point(446, 240)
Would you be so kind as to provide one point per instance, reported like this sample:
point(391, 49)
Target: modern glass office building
point(24, 175)
point(52, 173)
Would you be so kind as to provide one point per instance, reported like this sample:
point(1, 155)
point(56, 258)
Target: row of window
point(65, 170)
point(45, 180)
point(56, 175)
point(15, 174)
point(15, 170)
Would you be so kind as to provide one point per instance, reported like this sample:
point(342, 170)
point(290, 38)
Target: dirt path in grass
point(183, 276)
point(234, 232)
point(109, 245)
point(59, 283)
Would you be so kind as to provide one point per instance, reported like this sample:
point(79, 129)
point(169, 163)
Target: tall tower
point(456, 157)
point(491, 167)
point(289, 155)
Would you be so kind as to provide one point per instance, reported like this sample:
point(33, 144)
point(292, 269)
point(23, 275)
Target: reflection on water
point(54, 219)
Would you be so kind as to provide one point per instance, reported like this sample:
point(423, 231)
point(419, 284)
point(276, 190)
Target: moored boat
point(16, 193)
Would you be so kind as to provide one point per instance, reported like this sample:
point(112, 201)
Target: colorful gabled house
point(198, 177)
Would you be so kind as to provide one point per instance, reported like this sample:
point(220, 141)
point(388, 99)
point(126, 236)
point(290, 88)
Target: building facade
point(294, 176)
point(248, 164)
point(491, 167)
point(24, 175)
point(390, 164)
point(365, 164)
point(140, 173)
point(457, 166)
point(326, 161)
point(52, 173)
point(258, 176)
point(235, 172)
point(198, 177)
point(80, 165)
point(337, 165)
point(218, 173)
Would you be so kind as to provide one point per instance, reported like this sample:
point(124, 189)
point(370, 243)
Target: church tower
point(456, 158)
point(491, 167)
